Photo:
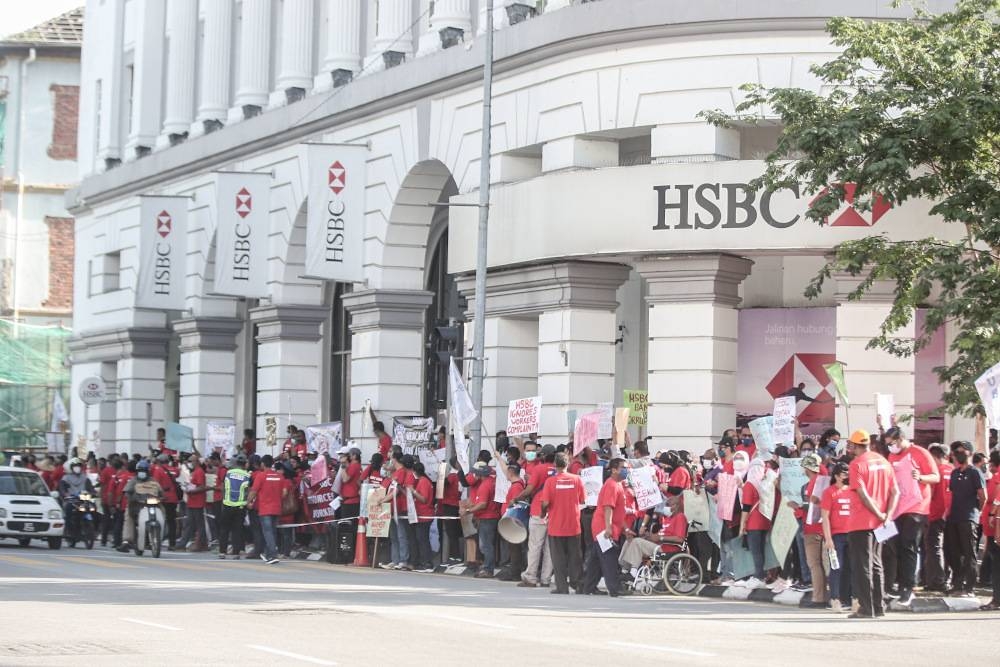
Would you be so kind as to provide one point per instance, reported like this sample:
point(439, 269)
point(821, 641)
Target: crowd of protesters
point(252, 506)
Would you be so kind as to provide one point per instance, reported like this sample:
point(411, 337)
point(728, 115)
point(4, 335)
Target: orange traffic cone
point(361, 546)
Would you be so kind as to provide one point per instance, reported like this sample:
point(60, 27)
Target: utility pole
point(479, 340)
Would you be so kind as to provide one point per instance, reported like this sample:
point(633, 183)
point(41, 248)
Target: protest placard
point(793, 478)
point(784, 420)
point(411, 432)
point(988, 387)
point(431, 458)
point(696, 511)
point(585, 433)
point(502, 487)
point(523, 415)
point(220, 436)
point(180, 438)
point(637, 402)
point(379, 513)
point(570, 422)
point(325, 438)
point(647, 491)
point(621, 425)
point(593, 479)
point(319, 497)
point(815, 513)
point(762, 430)
point(885, 407)
point(783, 531)
point(605, 424)
point(726, 497)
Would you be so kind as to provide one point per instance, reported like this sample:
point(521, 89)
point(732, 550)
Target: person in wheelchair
point(669, 539)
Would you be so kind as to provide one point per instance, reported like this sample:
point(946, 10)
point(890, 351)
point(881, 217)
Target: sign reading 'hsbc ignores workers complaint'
point(163, 252)
point(242, 214)
point(335, 212)
point(667, 207)
point(523, 415)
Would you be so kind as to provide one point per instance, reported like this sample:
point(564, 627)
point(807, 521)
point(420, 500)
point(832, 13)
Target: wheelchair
point(678, 573)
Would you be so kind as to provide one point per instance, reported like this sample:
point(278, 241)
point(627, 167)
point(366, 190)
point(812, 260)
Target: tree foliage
point(909, 109)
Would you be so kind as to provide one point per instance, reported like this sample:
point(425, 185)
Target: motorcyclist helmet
point(142, 469)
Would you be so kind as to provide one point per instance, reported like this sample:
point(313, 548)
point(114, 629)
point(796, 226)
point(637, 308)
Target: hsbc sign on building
point(335, 212)
point(242, 227)
point(163, 250)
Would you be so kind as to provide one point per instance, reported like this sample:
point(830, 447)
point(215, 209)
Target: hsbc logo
point(164, 224)
point(337, 177)
point(244, 203)
point(848, 215)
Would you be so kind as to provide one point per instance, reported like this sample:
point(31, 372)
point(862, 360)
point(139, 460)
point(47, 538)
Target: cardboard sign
point(523, 415)
point(325, 438)
point(637, 402)
point(411, 432)
point(728, 487)
point(696, 511)
point(885, 407)
point(585, 432)
point(379, 513)
point(762, 430)
point(784, 420)
point(180, 438)
point(988, 387)
point(604, 426)
point(593, 480)
point(621, 425)
point(647, 491)
point(501, 488)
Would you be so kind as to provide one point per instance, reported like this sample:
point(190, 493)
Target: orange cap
point(860, 437)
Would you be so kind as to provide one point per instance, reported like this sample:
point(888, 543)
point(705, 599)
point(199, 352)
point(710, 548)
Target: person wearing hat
point(487, 514)
point(539, 567)
point(875, 497)
point(817, 558)
point(235, 487)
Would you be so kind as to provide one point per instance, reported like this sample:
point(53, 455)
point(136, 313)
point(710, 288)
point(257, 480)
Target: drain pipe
point(21, 107)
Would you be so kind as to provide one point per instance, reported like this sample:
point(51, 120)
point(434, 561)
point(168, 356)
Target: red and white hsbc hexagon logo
point(244, 203)
point(848, 216)
point(164, 224)
point(337, 177)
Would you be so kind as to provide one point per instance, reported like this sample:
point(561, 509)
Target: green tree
point(913, 112)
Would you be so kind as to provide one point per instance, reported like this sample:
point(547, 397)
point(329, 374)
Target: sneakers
point(222, 556)
point(389, 566)
point(526, 584)
point(425, 570)
point(273, 561)
point(836, 606)
point(905, 598)
point(405, 567)
point(263, 558)
point(751, 583)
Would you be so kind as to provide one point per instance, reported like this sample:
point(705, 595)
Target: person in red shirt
point(746, 443)
point(935, 572)
point(249, 444)
point(164, 474)
point(992, 513)
point(350, 497)
point(300, 448)
point(874, 501)
point(671, 535)
point(401, 532)
point(384, 439)
point(194, 529)
point(538, 570)
point(835, 507)
point(266, 493)
point(817, 557)
point(448, 506)
point(900, 553)
point(678, 475)
point(726, 452)
point(562, 497)
point(608, 525)
point(124, 471)
point(423, 501)
point(105, 479)
point(754, 525)
point(487, 513)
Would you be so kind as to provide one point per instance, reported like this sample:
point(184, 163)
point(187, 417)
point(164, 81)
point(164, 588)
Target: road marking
point(83, 560)
point(63, 594)
point(665, 649)
point(288, 654)
point(469, 620)
point(149, 623)
point(184, 566)
point(18, 560)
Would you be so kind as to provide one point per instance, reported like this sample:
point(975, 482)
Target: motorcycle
point(149, 530)
point(81, 519)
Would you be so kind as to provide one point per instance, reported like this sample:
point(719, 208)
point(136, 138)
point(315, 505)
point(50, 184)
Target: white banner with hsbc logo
point(336, 212)
point(242, 217)
point(163, 252)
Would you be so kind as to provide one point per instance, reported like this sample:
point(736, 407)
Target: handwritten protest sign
point(325, 438)
point(784, 420)
point(647, 491)
point(585, 433)
point(319, 499)
point(501, 488)
point(593, 479)
point(728, 486)
point(762, 430)
point(379, 514)
point(783, 531)
point(637, 402)
point(431, 458)
point(604, 426)
point(885, 407)
point(220, 436)
point(180, 438)
point(988, 387)
point(621, 425)
point(793, 478)
point(523, 415)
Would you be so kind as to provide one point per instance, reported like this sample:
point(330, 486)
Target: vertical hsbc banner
point(163, 252)
point(242, 214)
point(335, 212)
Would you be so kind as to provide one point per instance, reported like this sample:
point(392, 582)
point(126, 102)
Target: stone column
point(182, 32)
point(387, 352)
point(505, 13)
point(208, 371)
point(288, 363)
point(147, 84)
point(451, 24)
point(867, 372)
point(692, 351)
point(295, 75)
point(252, 86)
point(391, 46)
point(343, 45)
point(215, 66)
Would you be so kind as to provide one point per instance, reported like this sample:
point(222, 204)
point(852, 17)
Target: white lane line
point(63, 594)
point(665, 649)
point(288, 654)
point(150, 624)
point(469, 620)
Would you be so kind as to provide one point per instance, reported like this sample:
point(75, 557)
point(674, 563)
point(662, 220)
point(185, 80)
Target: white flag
point(461, 403)
point(335, 213)
point(242, 216)
point(59, 413)
point(461, 446)
point(162, 252)
point(988, 386)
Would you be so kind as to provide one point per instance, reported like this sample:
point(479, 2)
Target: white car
point(27, 509)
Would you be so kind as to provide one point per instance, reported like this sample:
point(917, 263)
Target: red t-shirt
point(564, 494)
point(575, 467)
point(249, 446)
point(196, 499)
point(612, 495)
point(727, 467)
point(452, 491)
point(373, 477)
point(351, 491)
point(106, 480)
point(220, 478)
point(750, 449)
point(403, 479)
point(425, 510)
point(268, 485)
point(681, 477)
point(875, 474)
point(536, 479)
point(166, 481)
point(516, 489)
point(756, 520)
point(837, 502)
point(940, 493)
point(121, 479)
point(384, 445)
point(811, 528)
point(300, 449)
point(289, 486)
point(484, 492)
point(992, 484)
point(673, 526)
point(921, 459)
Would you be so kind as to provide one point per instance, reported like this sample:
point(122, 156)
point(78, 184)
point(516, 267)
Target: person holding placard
point(486, 511)
point(512, 470)
point(812, 535)
point(539, 568)
point(836, 511)
point(561, 498)
point(754, 526)
point(873, 504)
point(900, 553)
point(607, 528)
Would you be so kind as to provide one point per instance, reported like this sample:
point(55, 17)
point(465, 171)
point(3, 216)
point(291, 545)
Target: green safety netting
point(33, 369)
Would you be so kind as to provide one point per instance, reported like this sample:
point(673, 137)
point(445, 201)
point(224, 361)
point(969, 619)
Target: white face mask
point(667, 511)
point(895, 449)
point(740, 466)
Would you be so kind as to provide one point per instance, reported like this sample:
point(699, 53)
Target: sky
point(18, 15)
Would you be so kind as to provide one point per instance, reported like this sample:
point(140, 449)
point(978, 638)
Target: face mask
point(708, 464)
point(895, 448)
point(76, 470)
point(190, 466)
point(142, 475)
point(530, 456)
point(746, 442)
point(961, 458)
point(623, 474)
point(667, 511)
point(833, 444)
point(740, 467)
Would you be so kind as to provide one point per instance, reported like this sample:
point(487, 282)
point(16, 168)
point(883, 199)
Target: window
point(22, 484)
point(105, 273)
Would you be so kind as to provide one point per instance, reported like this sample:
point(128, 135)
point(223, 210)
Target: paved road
point(106, 608)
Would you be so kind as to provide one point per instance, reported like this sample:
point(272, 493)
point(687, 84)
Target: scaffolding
point(33, 369)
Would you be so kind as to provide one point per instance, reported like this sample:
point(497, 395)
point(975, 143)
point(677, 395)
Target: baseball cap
point(860, 437)
point(548, 450)
point(811, 462)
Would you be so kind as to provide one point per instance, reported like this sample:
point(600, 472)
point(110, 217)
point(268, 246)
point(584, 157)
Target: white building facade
point(626, 250)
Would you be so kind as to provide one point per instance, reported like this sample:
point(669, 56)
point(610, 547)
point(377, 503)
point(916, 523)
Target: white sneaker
point(779, 585)
point(835, 606)
point(389, 566)
point(754, 582)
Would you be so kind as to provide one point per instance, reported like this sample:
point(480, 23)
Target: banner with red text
point(523, 415)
